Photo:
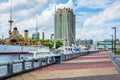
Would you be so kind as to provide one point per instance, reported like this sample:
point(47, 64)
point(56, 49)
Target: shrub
point(117, 52)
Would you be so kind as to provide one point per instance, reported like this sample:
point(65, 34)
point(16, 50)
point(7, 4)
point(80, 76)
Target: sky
point(94, 18)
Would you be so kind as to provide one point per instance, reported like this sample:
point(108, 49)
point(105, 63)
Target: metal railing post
point(46, 60)
point(23, 65)
point(10, 68)
point(40, 62)
point(32, 63)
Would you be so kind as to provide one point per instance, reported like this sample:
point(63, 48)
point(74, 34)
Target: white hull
point(17, 48)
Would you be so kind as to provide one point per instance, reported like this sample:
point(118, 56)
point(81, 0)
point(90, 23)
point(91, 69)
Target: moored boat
point(41, 52)
point(17, 49)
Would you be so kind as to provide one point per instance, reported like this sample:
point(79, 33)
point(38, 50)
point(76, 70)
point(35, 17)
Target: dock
point(97, 66)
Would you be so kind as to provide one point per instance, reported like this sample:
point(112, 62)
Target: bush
point(117, 52)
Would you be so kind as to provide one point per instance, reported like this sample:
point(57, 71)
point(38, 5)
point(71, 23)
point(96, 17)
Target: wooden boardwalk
point(92, 67)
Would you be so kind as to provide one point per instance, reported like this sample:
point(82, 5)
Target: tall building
point(85, 42)
point(65, 26)
point(43, 35)
point(34, 35)
point(52, 37)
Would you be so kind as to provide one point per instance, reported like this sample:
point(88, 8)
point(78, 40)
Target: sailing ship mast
point(10, 21)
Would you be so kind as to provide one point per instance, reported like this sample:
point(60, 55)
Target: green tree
point(30, 39)
point(1, 40)
point(58, 44)
point(50, 43)
point(21, 39)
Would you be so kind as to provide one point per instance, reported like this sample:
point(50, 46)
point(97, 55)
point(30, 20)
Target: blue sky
point(94, 18)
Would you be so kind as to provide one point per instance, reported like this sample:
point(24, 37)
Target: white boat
point(17, 49)
point(42, 52)
point(70, 49)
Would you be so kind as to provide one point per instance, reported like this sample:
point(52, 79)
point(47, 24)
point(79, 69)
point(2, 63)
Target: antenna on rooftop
point(55, 8)
point(37, 28)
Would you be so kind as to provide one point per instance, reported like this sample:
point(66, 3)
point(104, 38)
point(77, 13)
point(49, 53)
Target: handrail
point(115, 60)
point(5, 63)
point(30, 64)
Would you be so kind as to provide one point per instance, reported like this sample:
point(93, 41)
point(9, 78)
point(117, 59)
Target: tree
point(58, 44)
point(21, 39)
point(50, 43)
point(1, 40)
point(29, 39)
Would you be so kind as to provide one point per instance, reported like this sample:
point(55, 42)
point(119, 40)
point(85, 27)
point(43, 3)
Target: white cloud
point(94, 25)
point(42, 1)
point(4, 5)
point(93, 3)
point(93, 33)
point(69, 4)
point(108, 14)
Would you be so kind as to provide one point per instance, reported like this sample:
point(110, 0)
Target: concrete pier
point(91, 67)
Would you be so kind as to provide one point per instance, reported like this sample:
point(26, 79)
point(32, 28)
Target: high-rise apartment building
point(34, 35)
point(65, 26)
point(43, 35)
point(52, 37)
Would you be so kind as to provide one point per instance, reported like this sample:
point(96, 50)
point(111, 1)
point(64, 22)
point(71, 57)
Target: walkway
point(92, 67)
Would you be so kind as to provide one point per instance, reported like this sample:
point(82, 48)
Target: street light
point(112, 42)
point(115, 37)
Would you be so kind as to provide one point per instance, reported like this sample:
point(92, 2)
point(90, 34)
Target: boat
point(12, 44)
point(70, 49)
point(17, 49)
point(41, 52)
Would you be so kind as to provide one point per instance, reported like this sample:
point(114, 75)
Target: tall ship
point(16, 43)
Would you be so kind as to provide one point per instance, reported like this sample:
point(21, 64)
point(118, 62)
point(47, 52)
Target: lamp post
point(112, 42)
point(115, 37)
